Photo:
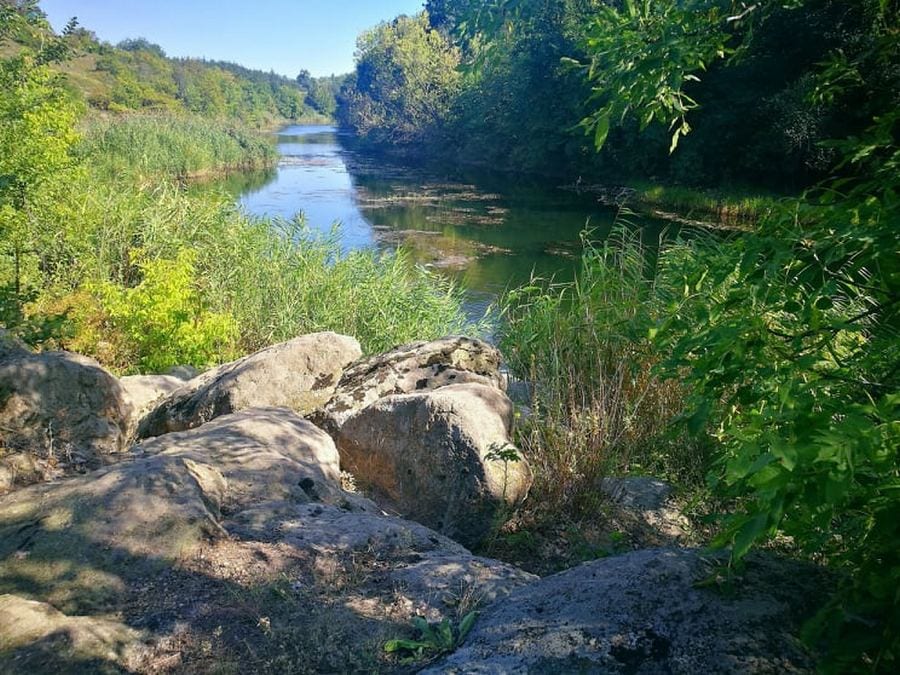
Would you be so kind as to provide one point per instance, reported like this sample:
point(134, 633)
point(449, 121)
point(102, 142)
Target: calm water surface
point(489, 233)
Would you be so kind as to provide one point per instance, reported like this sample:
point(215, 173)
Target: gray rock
point(470, 582)
point(41, 639)
point(10, 345)
point(438, 457)
point(216, 536)
point(63, 410)
point(183, 372)
point(642, 612)
point(299, 374)
point(416, 367)
point(143, 392)
point(647, 507)
point(340, 529)
point(165, 504)
point(431, 573)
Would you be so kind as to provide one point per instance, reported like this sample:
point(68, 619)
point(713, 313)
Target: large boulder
point(143, 392)
point(644, 612)
point(299, 374)
point(59, 413)
point(36, 638)
point(415, 367)
point(442, 457)
point(165, 504)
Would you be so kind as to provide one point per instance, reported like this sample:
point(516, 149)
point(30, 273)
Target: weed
point(434, 638)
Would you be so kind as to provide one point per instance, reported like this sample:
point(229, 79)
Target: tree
point(405, 81)
point(37, 134)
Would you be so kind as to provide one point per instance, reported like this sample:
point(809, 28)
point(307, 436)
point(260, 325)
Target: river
point(488, 232)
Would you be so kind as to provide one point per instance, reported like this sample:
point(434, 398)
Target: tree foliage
point(404, 84)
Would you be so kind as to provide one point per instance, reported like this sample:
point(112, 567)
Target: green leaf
point(601, 130)
point(405, 645)
point(465, 625)
point(747, 534)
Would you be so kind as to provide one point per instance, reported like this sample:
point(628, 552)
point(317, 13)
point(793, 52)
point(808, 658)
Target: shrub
point(161, 322)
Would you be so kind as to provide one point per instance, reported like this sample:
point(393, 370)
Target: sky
point(281, 35)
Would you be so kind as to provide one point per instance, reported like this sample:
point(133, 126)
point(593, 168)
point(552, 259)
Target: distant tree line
point(137, 75)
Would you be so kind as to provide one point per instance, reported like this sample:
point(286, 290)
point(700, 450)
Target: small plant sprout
point(434, 638)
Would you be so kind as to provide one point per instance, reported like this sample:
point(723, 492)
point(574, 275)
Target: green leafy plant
point(434, 638)
point(643, 55)
point(789, 342)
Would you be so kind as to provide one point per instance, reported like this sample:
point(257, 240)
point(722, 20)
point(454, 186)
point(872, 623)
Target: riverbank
point(709, 207)
point(697, 207)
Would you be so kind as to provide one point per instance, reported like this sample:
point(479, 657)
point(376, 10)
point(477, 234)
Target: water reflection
point(490, 232)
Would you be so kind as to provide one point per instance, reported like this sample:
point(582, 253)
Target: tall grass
point(176, 146)
point(279, 279)
point(272, 280)
point(597, 406)
point(730, 208)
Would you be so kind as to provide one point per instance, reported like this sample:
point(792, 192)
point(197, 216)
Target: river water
point(488, 232)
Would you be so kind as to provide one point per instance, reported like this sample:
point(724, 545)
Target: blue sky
point(279, 35)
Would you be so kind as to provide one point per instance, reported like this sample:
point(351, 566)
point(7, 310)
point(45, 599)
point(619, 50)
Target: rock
point(222, 548)
point(299, 374)
point(648, 510)
point(430, 572)
point(142, 392)
point(437, 582)
point(10, 345)
point(183, 372)
point(62, 409)
point(416, 367)
point(126, 521)
point(642, 612)
point(438, 457)
point(39, 638)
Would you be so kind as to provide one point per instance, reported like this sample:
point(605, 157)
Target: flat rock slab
point(430, 572)
point(415, 367)
point(170, 500)
point(38, 638)
point(225, 548)
point(643, 613)
point(299, 374)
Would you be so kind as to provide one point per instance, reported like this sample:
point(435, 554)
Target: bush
point(790, 343)
point(161, 322)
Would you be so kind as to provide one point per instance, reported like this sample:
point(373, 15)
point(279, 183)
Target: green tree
point(790, 338)
point(37, 134)
point(405, 81)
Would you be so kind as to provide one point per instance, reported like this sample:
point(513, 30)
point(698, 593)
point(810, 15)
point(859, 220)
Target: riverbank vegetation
point(106, 254)
point(758, 370)
point(518, 86)
point(175, 146)
point(768, 362)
